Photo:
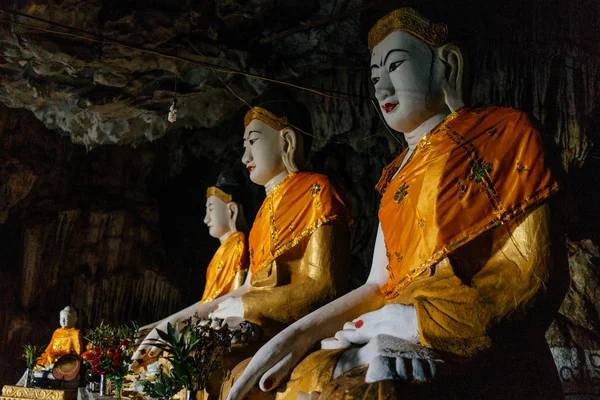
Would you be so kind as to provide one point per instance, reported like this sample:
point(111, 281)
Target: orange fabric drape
point(230, 258)
point(64, 341)
point(478, 169)
point(290, 213)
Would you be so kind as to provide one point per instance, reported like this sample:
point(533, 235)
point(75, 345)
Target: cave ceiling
point(111, 80)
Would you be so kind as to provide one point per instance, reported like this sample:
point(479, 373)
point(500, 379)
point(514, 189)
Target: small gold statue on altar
point(65, 340)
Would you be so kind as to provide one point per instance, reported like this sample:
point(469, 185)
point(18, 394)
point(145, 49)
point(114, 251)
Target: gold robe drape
point(298, 249)
point(227, 268)
point(64, 341)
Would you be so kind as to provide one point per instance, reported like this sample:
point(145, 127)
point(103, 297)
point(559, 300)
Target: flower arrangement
point(31, 354)
point(193, 351)
point(109, 351)
point(163, 386)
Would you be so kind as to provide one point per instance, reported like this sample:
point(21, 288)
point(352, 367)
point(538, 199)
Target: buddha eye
point(374, 80)
point(251, 141)
point(394, 66)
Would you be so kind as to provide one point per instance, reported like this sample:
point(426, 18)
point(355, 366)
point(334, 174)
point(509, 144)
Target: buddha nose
point(247, 157)
point(384, 88)
point(206, 219)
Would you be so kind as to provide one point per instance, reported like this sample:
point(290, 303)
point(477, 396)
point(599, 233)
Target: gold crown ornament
point(408, 20)
point(265, 116)
point(218, 193)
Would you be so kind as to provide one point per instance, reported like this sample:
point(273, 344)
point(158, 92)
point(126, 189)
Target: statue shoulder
point(313, 177)
point(507, 116)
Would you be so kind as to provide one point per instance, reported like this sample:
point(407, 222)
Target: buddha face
point(406, 74)
point(263, 152)
point(217, 217)
point(67, 320)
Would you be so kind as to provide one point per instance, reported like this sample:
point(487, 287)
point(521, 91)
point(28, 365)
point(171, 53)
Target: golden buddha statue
point(298, 244)
point(225, 220)
point(469, 263)
point(65, 340)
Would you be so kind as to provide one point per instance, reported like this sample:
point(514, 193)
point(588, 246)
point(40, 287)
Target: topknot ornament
point(266, 116)
point(408, 20)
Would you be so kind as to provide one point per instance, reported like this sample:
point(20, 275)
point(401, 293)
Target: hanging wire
point(219, 78)
point(214, 68)
point(102, 39)
point(384, 123)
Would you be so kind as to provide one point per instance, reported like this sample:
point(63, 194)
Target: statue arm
point(317, 278)
point(274, 361)
point(238, 279)
point(147, 350)
point(457, 314)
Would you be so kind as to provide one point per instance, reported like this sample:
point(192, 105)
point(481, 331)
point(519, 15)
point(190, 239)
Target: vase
point(104, 386)
point(117, 387)
point(29, 378)
point(117, 392)
point(191, 394)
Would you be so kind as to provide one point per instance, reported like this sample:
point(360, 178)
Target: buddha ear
point(292, 153)
point(452, 64)
point(232, 211)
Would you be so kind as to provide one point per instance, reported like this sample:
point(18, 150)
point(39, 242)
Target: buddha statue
point(227, 269)
point(225, 221)
point(65, 340)
point(469, 263)
point(298, 243)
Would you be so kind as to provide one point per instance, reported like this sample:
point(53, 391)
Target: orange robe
point(295, 209)
point(230, 259)
point(298, 251)
point(478, 170)
point(64, 341)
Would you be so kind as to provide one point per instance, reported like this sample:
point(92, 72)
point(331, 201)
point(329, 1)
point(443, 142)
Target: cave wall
point(85, 229)
point(118, 231)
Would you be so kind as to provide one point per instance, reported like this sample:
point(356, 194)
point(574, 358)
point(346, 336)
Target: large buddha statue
point(298, 244)
point(469, 263)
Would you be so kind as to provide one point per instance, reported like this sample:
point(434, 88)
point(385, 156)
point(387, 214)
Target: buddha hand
point(272, 363)
point(230, 307)
point(390, 357)
point(396, 320)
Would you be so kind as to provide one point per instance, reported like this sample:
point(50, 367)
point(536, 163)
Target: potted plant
point(109, 352)
point(163, 387)
point(31, 354)
point(193, 352)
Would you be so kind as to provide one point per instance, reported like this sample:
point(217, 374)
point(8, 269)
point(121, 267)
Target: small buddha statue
point(469, 263)
point(298, 243)
point(65, 340)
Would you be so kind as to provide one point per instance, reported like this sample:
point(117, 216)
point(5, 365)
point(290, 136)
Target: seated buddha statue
point(65, 340)
point(225, 221)
point(298, 243)
point(469, 263)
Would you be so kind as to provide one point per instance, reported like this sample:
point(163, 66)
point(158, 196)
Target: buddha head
point(224, 212)
point(415, 72)
point(68, 317)
point(274, 142)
